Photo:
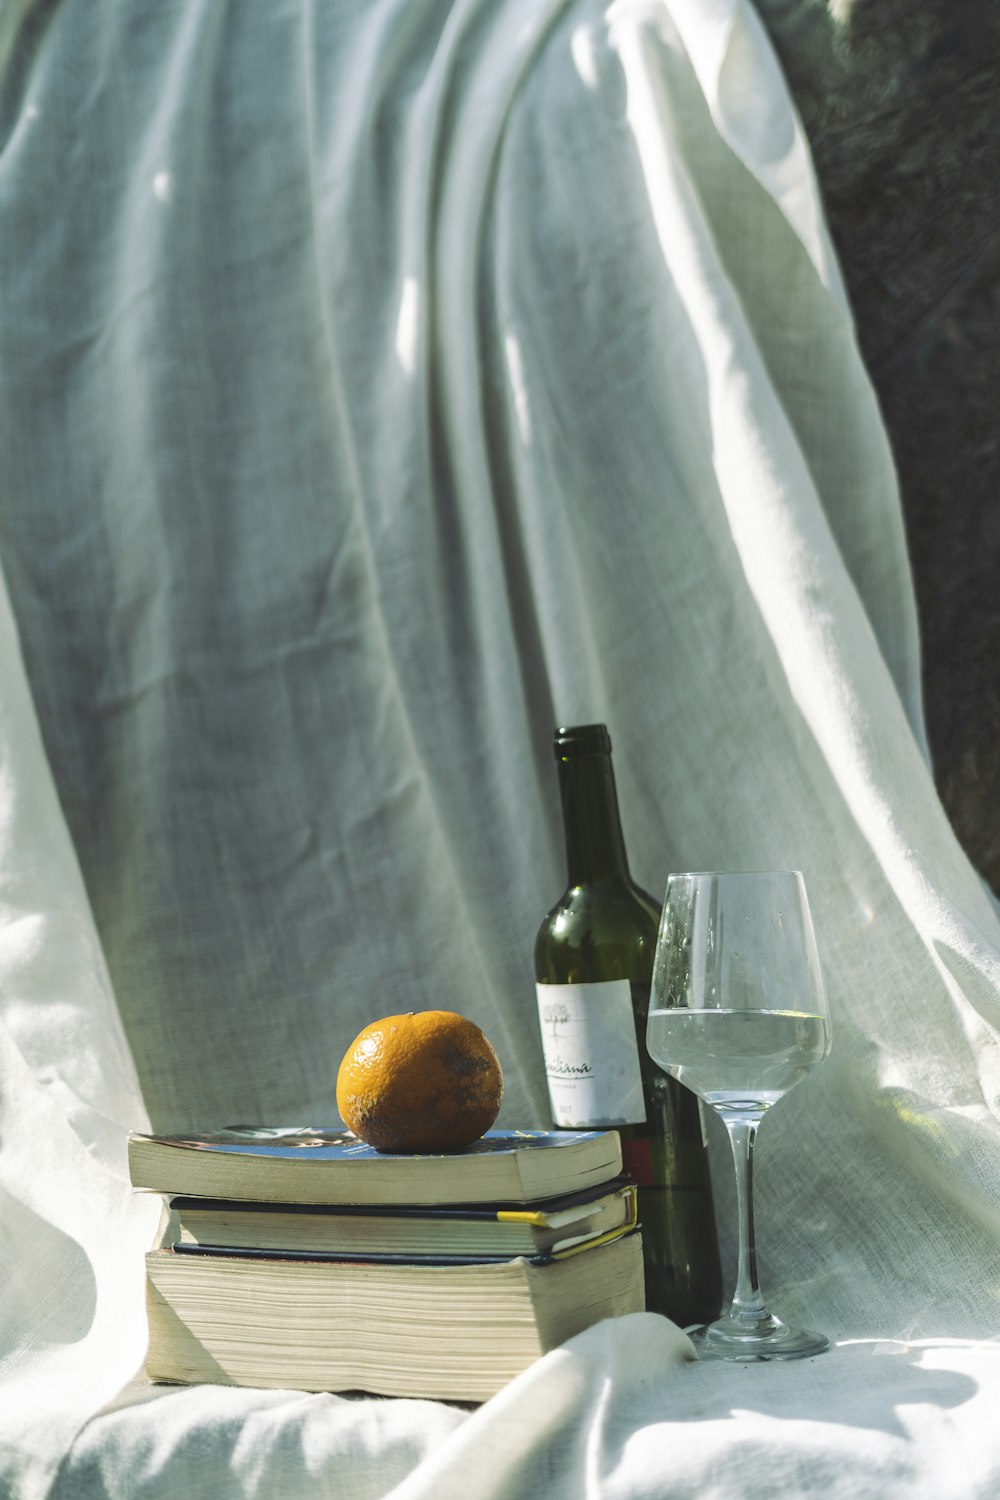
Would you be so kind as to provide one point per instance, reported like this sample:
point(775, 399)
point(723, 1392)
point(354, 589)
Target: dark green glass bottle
point(593, 965)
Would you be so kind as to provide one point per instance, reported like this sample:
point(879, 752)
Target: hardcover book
point(321, 1166)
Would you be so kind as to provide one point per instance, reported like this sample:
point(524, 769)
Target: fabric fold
point(381, 385)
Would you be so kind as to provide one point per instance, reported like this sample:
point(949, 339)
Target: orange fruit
point(425, 1081)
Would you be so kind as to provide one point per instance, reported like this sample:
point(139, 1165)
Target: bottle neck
point(595, 848)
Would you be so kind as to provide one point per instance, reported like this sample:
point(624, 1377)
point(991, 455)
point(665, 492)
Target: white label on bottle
point(591, 1057)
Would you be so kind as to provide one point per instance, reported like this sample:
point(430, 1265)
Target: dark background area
point(901, 103)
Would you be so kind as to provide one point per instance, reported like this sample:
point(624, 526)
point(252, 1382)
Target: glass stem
point(748, 1305)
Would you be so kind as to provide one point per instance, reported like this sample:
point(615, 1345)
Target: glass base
point(726, 1339)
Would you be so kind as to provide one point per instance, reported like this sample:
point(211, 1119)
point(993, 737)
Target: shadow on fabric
point(43, 1290)
point(884, 1374)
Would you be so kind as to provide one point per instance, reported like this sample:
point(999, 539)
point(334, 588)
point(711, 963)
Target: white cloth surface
point(381, 384)
point(616, 1413)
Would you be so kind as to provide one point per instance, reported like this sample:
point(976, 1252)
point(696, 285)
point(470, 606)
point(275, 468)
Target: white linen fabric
point(381, 384)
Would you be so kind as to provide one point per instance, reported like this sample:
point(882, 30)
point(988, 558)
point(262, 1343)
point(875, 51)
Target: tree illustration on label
point(554, 1015)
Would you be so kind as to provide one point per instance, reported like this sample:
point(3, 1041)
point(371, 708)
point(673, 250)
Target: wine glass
point(738, 1013)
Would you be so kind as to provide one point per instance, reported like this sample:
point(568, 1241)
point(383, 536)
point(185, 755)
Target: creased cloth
point(382, 384)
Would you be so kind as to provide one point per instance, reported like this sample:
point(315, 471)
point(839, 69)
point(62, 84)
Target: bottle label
point(591, 1057)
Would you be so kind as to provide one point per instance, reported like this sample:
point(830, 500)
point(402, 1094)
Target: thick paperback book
point(305, 1165)
point(457, 1332)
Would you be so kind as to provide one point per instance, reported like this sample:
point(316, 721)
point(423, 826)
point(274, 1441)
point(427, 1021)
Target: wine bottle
point(593, 966)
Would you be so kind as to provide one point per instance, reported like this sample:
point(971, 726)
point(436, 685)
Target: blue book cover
point(324, 1144)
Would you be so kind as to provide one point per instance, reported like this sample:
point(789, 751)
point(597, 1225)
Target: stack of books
point(305, 1259)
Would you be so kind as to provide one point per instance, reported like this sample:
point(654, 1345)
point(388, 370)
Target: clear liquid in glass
point(738, 1061)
